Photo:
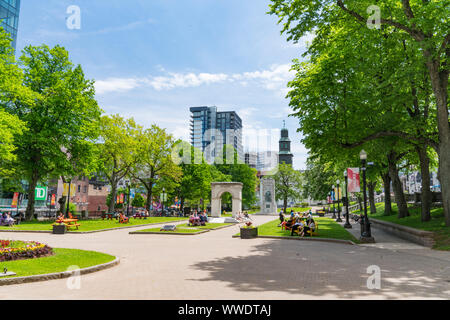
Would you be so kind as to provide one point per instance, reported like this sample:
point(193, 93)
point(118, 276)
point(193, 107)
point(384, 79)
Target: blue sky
point(153, 59)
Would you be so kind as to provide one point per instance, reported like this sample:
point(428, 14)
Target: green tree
point(117, 150)
point(62, 120)
point(11, 91)
point(418, 28)
point(288, 184)
point(138, 201)
point(154, 162)
point(239, 172)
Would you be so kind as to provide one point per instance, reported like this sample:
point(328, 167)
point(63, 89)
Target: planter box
point(249, 233)
point(59, 229)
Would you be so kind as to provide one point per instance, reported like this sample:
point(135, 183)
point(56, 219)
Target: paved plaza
point(216, 266)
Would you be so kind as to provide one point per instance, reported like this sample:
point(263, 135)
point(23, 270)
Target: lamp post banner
point(353, 180)
point(15, 200)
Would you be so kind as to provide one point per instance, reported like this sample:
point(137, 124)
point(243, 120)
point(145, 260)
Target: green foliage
point(138, 201)
point(288, 183)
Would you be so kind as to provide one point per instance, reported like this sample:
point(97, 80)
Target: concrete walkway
point(215, 266)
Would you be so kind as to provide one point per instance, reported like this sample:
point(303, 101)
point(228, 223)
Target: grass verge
point(435, 225)
point(59, 262)
point(91, 225)
point(328, 229)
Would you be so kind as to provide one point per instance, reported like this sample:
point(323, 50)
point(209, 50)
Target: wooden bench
point(123, 219)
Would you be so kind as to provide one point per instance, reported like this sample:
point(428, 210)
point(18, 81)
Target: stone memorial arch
point(218, 189)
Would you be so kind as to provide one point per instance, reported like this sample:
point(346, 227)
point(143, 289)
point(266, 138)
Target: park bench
point(123, 219)
point(72, 217)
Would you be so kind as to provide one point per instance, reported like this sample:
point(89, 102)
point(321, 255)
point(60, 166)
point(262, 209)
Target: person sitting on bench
point(299, 225)
point(309, 228)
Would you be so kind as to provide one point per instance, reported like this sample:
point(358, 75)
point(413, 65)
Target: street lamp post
point(366, 234)
point(163, 197)
point(68, 199)
point(347, 224)
point(128, 199)
point(334, 208)
point(339, 204)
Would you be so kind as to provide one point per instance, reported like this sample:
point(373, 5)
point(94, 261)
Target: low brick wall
point(424, 238)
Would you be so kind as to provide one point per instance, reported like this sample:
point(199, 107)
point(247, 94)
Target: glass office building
point(211, 130)
point(9, 17)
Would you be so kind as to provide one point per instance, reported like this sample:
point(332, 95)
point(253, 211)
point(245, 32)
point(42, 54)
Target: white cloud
point(116, 85)
point(275, 78)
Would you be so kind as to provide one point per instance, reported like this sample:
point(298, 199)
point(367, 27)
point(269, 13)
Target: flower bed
point(18, 250)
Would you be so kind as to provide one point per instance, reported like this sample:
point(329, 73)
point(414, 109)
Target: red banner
point(353, 180)
point(53, 201)
point(121, 198)
point(15, 200)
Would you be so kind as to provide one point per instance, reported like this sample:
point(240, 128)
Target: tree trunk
point(444, 171)
point(398, 189)
point(387, 194)
point(112, 203)
point(285, 201)
point(31, 196)
point(426, 190)
point(439, 83)
point(149, 196)
point(371, 186)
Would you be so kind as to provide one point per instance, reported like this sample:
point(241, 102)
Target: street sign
point(40, 193)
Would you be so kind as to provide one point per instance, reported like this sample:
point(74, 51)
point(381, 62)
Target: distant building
point(9, 18)
point(285, 155)
point(212, 130)
point(251, 159)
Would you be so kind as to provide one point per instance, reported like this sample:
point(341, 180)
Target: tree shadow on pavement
point(334, 270)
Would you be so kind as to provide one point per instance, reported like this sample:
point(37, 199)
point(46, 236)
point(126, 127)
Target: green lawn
point(185, 228)
point(436, 225)
point(91, 225)
point(59, 262)
point(328, 228)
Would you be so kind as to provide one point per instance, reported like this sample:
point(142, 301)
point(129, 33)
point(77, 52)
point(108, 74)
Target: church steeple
point(285, 154)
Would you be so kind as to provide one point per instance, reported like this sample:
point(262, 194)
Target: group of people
point(198, 218)
point(303, 223)
point(242, 216)
point(6, 219)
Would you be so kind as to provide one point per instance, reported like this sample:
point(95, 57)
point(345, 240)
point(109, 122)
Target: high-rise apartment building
point(212, 130)
point(9, 18)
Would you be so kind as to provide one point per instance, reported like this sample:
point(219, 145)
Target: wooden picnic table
point(108, 216)
point(71, 223)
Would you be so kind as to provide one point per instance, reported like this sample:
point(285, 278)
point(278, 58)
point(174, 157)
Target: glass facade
point(9, 17)
point(218, 128)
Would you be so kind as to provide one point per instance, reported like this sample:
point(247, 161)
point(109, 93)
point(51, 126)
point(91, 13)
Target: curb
point(93, 231)
point(170, 234)
point(58, 275)
point(349, 242)
point(420, 237)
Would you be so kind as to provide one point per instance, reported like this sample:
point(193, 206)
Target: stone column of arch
point(218, 189)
